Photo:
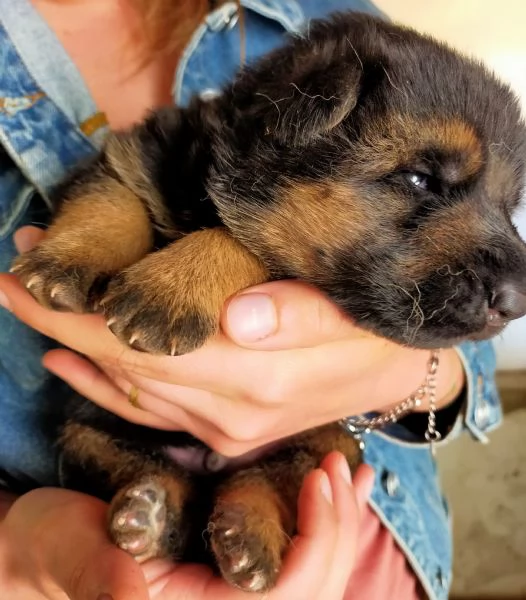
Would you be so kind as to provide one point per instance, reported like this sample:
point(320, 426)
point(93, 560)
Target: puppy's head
point(384, 168)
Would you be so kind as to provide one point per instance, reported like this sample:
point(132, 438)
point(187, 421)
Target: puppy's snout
point(507, 303)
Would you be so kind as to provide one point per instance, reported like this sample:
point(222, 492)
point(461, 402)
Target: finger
point(26, 238)
point(177, 582)
point(345, 488)
point(112, 394)
point(363, 483)
point(178, 417)
point(349, 505)
point(220, 367)
point(65, 533)
point(312, 551)
point(327, 539)
point(89, 381)
point(273, 316)
point(87, 334)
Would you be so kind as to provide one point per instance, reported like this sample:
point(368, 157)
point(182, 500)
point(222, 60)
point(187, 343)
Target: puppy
point(362, 158)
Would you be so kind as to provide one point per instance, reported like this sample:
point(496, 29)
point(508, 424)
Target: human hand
point(54, 546)
point(320, 559)
point(243, 389)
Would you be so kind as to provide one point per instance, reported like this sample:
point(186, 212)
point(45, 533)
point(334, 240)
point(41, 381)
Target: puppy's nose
point(507, 303)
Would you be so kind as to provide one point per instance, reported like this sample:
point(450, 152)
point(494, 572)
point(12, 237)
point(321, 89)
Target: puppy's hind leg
point(255, 510)
point(150, 495)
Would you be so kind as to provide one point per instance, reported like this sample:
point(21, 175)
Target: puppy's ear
point(307, 88)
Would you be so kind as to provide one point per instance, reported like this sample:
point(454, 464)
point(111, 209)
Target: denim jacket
point(48, 123)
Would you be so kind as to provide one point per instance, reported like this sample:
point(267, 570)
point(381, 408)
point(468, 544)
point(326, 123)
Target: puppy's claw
point(35, 279)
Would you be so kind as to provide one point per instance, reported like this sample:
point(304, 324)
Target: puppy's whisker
point(315, 96)
point(275, 103)
point(446, 270)
point(444, 306)
point(354, 50)
point(416, 314)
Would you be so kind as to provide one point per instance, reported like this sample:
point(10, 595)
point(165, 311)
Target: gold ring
point(133, 397)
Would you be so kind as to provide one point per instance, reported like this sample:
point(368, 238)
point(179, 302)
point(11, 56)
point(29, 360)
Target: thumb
point(65, 538)
point(26, 238)
point(284, 315)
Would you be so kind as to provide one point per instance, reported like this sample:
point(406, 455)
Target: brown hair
point(168, 24)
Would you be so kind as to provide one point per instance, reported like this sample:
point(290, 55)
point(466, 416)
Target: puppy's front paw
point(55, 280)
point(157, 311)
point(170, 302)
point(138, 520)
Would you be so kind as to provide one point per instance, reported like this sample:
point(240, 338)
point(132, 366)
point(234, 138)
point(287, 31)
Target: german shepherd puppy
point(363, 158)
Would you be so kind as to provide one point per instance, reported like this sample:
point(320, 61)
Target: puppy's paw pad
point(54, 283)
point(243, 553)
point(138, 519)
point(146, 318)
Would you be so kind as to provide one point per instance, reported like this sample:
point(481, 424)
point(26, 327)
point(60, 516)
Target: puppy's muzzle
point(507, 303)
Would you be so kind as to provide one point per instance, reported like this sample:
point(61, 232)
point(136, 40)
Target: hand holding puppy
point(244, 388)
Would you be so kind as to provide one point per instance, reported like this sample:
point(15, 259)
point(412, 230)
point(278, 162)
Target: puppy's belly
point(202, 460)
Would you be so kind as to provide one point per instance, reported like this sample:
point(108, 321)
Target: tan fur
point(499, 176)
point(125, 156)
point(398, 140)
point(309, 218)
point(190, 279)
point(109, 229)
point(91, 447)
point(327, 438)
point(264, 514)
point(250, 528)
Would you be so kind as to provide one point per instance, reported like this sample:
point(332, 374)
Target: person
point(286, 359)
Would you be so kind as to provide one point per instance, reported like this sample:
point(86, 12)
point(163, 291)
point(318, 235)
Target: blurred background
point(486, 484)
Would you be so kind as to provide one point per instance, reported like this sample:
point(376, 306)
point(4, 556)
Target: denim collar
point(288, 12)
point(37, 77)
point(56, 75)
point(47, 63)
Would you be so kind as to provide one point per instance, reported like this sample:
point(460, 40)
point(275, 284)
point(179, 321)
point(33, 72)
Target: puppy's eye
point(419, 180)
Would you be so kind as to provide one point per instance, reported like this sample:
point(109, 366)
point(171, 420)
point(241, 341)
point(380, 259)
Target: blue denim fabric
point(43, 107)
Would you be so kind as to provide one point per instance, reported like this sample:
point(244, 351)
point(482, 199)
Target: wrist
point(405, 371)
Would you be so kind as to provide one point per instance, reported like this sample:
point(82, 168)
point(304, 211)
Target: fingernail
point(4, 301)
point(325, 487)
point(345, 471)
point(252, 317)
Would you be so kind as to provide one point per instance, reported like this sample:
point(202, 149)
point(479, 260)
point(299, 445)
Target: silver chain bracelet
point(360, 425)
